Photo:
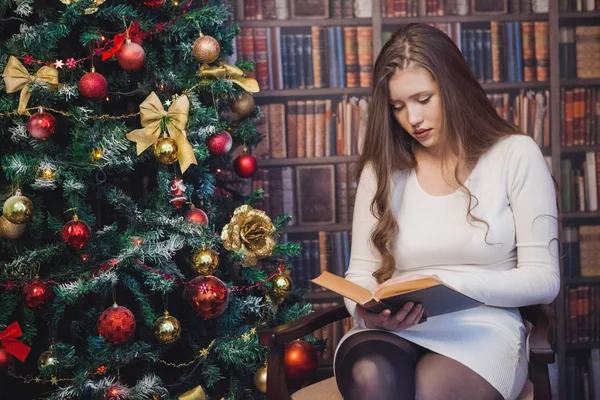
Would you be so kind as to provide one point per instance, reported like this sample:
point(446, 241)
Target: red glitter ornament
point(93, 85)
point(155, 3)
point(207, 295)
point(131, 56)
point(197, 215)
point(76, 233)
point(116, 324)
point(245, 166)
point(5, 359)
point(219, 144)
point(300, 360)
point(36, 293)
point(41, 125)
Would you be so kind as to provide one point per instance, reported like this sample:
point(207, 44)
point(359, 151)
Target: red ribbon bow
point(133, 32)
point(8, 340)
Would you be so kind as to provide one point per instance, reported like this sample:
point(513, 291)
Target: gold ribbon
point(196, 393)
point(16, 77)
point(155, 118)
point(231, 73)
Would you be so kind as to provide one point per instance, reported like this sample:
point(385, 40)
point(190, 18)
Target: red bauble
point(131, 56)
point(41, 125)
point(116, 324)
point(36, 293)
point(300, 360)
point(76, 233)
point(245, 166)
point(207, 295)
point(219, 144)
point(197, 215)
point(5, 359)
point(93, 86)
point(155, 3)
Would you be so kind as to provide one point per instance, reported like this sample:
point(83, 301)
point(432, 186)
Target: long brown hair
point(470, 124)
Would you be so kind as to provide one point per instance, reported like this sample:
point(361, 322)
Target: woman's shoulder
point(519, 145)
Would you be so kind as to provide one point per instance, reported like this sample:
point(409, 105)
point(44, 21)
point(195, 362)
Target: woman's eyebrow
point(412, 96)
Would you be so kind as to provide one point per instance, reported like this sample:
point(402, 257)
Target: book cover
point(436, 297)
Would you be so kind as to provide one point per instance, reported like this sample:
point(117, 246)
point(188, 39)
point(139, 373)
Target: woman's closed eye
point(425, 100)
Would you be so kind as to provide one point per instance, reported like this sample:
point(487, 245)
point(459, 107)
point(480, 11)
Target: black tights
point(379, 365)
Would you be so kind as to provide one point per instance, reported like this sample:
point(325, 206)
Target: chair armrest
point(303, 326)
point(540, 338)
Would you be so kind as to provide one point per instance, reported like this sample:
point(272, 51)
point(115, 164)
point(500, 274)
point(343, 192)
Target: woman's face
point(416, 104)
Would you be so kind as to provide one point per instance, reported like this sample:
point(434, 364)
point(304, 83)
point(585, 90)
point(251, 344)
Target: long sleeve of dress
point(532, 199)
point(364, 259)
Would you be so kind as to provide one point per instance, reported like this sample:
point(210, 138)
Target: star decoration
point(168, 103)
point(71, 63)
point(37, 379)
point(253, 331)
point(54, 381)
point(59, 63)
point(246, 336)
point(204, 352)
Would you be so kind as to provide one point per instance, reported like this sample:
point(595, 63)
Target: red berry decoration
point(154, 3)
point(207, 295)
point(300, 360)
point(131, 56)
point(93, 86)
point(116, 324)
point(5, 359)
point(41, 125)
point(36, 293)
point(220, 144)
point(76, 233)
point(197, 215)
point(245, 166)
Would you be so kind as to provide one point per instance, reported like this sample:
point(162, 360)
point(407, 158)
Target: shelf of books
point(539, 62)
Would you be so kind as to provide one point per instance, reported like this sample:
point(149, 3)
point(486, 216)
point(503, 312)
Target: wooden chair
point(541, 354)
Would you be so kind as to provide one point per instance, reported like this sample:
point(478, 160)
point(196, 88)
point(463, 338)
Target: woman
point(446, 188)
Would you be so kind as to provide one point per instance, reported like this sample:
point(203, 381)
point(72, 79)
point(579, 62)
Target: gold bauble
point(206, 49)
point(167, 329)
point(17, 209)
point(282, 285)
point(260, 379)
point(242, 106)
point(205, 261)
point(47, 359)
point(166, 150)
point(11, 231)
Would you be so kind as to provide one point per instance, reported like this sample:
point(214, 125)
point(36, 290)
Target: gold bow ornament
point(16, 77)
point(155, 120)
point(196, 393)
point(229, 72)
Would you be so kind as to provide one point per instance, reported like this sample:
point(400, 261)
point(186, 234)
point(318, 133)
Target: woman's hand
point(409, 315)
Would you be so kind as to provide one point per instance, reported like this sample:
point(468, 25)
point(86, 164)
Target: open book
point(436, 297)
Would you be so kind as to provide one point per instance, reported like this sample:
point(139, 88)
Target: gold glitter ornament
point(166, 150)
point(167, 329)
point(243, 106)
point(17, 209)
point(11, 231)
point(206, 49)
point(282, 285)
point(89, 10)
point(250, 231)
point(205, 261)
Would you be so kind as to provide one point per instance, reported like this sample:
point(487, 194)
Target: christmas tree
point(132, 263)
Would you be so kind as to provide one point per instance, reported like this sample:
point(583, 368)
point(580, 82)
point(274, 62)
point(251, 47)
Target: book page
point(344, 287)
point(385, 291)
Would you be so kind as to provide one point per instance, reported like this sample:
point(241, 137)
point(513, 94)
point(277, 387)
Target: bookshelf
point(554, 84)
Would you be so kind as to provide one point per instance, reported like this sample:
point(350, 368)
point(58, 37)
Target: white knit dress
point(518, 266)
